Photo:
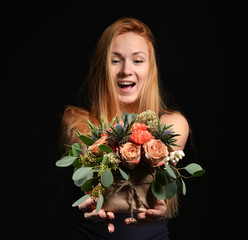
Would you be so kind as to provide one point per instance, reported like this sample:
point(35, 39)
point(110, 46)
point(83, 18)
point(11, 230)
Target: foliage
point(97, 165)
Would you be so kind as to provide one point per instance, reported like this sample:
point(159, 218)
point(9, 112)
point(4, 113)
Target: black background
point(46, 49)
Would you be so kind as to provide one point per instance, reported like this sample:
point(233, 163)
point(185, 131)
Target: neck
point(130, 108)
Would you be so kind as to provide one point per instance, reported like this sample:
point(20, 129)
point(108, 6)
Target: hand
point(89, 209)
point(150, 216)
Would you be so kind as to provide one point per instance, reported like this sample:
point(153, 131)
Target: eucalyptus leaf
point(183, 187)
point(123, 174)
point(198, 173)
point(158, 190)
point(77, 163)
point(161, 178)
point(131, 117)
point(105, 160)
point(99, 203)
point(105, 148)
point(65, 161)
point(107, 178)
point(81, 200)
point(170, 171)
point(86, 140)
point(192, 168)
point(75, 149)
point(80, 182)
point(89, 184)
point(171, 190)
point(82, 173)
point(98, 159)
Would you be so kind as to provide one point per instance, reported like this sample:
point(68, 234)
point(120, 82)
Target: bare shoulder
point(180, 126)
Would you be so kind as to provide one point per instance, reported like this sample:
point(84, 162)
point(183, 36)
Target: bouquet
point(126, 164)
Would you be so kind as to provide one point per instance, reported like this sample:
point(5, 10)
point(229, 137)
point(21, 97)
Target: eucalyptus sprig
point(169, 180)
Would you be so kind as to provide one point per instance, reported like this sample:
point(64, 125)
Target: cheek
point(142, 76)
point(115, 71)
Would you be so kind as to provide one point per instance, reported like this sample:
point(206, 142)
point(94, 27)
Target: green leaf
point(82, 173)
point(123, 174)
point(80, 182)
point(89, 184)
point(171, 190)
point(105, 160)
point(77, 163)
point(161, 178)
point(98, 159)
point(192, 168)
point(183, 186)
point(158, 190)
point(75, 149)
point(81, 200)
point(107, 178)
point(170, 171)
point(65, 161)
point(99, 203)
point(131, 117)
point(86, 140)
point(198, 173)
point(105, 148)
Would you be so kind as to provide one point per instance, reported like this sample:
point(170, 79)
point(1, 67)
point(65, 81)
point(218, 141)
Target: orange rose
point(94, 148)
point(156, 152)
point(130, 154)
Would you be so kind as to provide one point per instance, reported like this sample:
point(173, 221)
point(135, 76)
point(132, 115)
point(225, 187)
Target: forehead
point(128, 43)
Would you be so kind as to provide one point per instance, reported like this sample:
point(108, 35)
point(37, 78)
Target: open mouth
point(126, 85)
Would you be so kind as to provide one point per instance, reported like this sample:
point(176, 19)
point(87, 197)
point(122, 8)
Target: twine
point(124, 184)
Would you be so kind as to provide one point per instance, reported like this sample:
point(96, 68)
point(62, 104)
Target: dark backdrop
point(46, 48)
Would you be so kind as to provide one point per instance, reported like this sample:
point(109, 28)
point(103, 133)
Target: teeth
point(125, 83)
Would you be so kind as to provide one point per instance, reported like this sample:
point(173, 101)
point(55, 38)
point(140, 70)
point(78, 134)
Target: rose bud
point(130, 154)
point(94, 148)
point(156, 153)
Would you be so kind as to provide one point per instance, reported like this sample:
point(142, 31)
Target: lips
point(126, 86)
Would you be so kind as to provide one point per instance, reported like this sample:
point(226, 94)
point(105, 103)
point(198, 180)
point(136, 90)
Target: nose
point(126, 69)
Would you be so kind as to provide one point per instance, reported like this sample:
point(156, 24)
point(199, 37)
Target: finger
point(131, 221)
point(111, 227)
point(153, 214)
point(86, 205)
point(97, 216)
point(110, 215)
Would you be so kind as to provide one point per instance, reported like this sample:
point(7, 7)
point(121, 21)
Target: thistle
point(96, 132)
point(120, 132)
point(166, 134)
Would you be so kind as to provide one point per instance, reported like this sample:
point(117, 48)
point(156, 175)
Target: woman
point(123, 77)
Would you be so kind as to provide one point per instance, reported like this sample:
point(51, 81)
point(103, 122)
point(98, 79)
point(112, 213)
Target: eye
point(115, 61)
point(138, 61)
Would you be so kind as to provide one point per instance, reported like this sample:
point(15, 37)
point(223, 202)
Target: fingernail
point(110, 229)
point(128, 221)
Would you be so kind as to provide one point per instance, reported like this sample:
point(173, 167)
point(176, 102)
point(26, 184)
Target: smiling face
point(130, 66)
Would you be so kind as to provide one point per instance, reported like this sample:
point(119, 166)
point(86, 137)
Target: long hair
point(101, 87)
point(101, 83)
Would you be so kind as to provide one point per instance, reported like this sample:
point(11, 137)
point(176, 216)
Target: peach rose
point(156, 152)
point(130, 154)
point(94, 147)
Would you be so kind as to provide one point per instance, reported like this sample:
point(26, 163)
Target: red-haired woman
point(123, 77)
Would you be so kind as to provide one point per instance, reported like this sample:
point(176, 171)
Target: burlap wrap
point(133, 195)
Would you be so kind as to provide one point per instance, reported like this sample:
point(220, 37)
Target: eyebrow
point(135, 53)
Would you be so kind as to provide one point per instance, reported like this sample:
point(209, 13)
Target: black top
point(85, 229)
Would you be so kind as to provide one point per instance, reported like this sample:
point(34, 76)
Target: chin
point(128, 100)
